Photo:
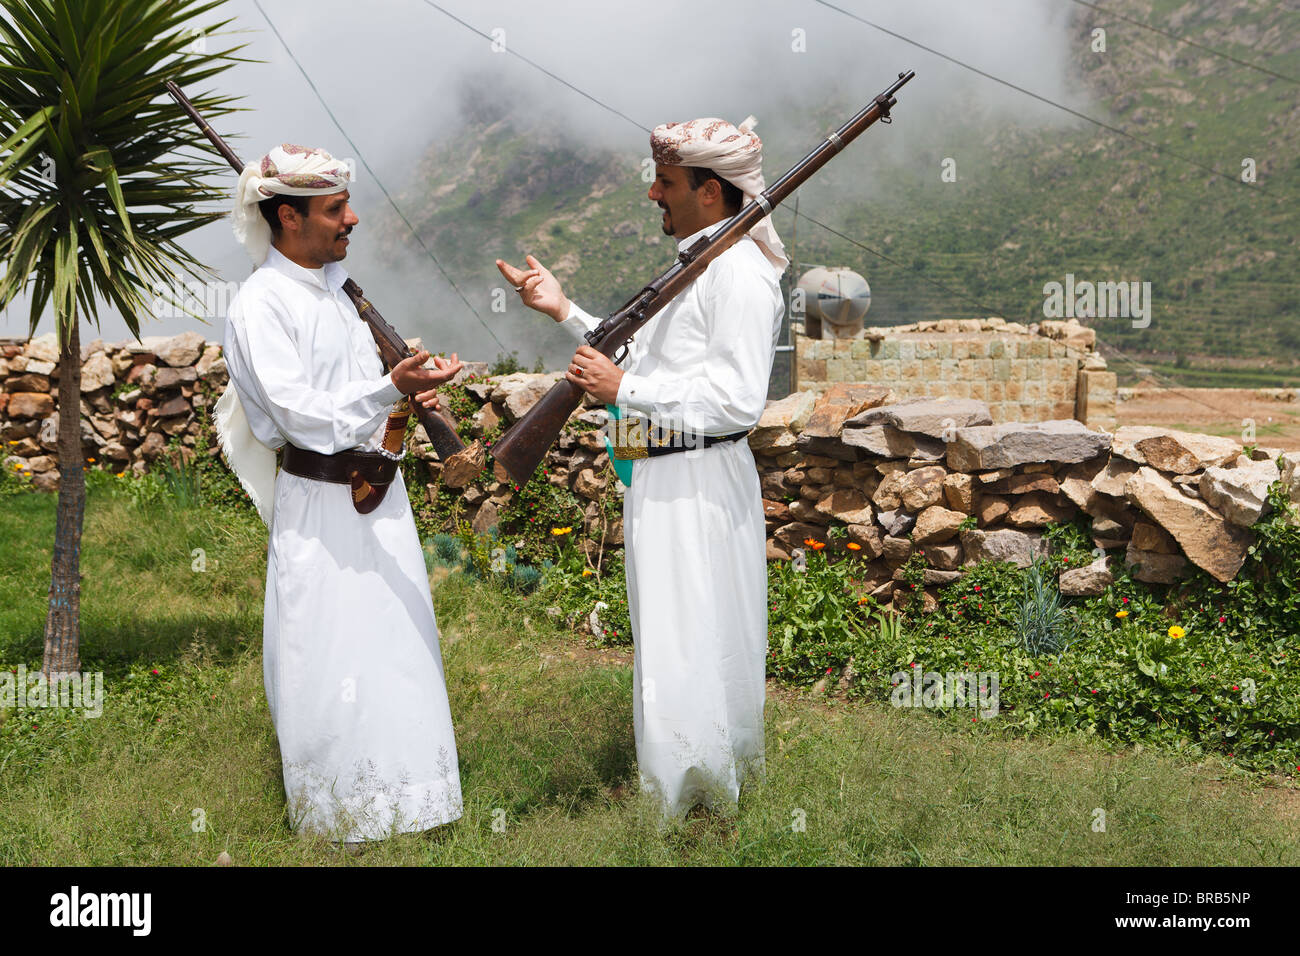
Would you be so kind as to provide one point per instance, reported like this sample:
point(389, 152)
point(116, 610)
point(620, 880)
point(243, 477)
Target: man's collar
point(335, 274)
point(706, 231)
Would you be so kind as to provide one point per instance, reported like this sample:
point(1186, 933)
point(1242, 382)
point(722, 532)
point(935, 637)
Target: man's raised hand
point(411, 377)
point(537, 288)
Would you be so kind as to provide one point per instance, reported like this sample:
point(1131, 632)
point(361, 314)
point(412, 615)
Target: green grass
point(543, 726)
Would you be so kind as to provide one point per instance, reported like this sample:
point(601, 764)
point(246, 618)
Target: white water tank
point(835, 297)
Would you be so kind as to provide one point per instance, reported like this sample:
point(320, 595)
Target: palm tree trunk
point(63, 624)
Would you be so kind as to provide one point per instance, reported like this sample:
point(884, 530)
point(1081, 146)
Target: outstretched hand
point(537, 288)
point(413, 378)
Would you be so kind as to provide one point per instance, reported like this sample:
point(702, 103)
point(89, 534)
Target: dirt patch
point(1218, 411)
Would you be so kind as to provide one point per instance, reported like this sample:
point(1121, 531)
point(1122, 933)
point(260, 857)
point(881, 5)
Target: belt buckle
point(629, 441)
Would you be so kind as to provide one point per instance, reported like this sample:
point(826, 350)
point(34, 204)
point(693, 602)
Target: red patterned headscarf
point(733, 152)
point(287, 170)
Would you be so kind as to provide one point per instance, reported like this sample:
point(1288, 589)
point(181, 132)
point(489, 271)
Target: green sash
point(622, 467)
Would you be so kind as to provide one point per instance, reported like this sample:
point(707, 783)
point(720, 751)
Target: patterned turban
point(287, 170)
point(734, 153)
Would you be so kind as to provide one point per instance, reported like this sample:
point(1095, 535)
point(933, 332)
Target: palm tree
point(94, 195)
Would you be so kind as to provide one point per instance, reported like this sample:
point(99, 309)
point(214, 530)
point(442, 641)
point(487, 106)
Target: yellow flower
point(1176, 632)
point(1121, 613)
point(853, 546)
point(90, 460)
point(587, 572)
point(560, 531)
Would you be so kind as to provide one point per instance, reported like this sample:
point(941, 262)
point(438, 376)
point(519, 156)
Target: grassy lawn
point(183, 764)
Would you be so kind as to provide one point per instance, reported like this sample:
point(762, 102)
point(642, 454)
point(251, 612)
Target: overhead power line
point(382, 188)
point(880, 255)
point(1182, 39)
point(1118, 131)
point(537, 66)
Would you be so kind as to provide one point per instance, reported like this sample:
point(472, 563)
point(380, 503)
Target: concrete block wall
point(1033, 373)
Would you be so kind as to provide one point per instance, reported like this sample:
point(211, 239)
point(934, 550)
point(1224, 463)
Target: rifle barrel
point(522, 448)
point(229, 154)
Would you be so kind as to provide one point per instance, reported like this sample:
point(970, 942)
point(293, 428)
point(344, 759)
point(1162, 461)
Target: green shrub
point(1043, 625)
point(572, 587)
point(816, 619)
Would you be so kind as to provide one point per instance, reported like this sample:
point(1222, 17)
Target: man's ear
point(289, 217)
point(710, 191)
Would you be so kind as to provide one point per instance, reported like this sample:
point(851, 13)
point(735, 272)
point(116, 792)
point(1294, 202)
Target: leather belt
point(708, 441)
point(370, 466)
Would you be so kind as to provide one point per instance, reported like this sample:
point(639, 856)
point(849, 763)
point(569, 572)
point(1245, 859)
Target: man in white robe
point(693, 520)
point(352, 665)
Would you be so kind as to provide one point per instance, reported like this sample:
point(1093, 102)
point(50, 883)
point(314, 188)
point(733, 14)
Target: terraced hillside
point(1030, 204)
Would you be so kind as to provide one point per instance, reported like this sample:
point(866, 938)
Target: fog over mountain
point(394, 73)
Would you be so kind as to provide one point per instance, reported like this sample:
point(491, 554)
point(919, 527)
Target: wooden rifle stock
point(523, 447)
point(440, 427)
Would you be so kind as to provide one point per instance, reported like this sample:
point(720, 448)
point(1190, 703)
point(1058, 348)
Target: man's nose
point(350, 217)
point(654, 195)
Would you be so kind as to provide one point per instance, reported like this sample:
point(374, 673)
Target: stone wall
point(135, 398)
point(938, 476)
point(1049, 370)
point(931, 474)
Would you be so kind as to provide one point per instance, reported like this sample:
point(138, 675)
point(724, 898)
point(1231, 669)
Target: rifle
point(440, 427)
point(522, 448)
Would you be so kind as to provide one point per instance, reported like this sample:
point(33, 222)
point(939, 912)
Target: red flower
point(1222, 619)
point(154, 672)
point(1094, 691)
point(1047, 695)
point(1034, 674)
point(1125, 600)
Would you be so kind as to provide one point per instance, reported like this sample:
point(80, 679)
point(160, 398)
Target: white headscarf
point(734, 153)
point(287, 170)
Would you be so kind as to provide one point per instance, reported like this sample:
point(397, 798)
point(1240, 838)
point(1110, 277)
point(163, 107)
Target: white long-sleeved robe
point(694, 532)
point(352, 664)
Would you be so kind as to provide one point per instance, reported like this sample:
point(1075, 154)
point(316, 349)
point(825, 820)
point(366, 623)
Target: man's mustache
point(346, 232)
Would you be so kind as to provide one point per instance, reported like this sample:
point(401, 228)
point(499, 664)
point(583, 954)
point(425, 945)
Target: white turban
point(287, 170)
point(734, 153)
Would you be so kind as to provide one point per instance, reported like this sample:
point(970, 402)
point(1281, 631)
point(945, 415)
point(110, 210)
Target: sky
point(393, 73)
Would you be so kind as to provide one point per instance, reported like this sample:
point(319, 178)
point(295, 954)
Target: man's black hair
point(732, 198)
point(270, 209)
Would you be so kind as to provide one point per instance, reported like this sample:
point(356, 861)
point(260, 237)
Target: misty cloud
point(394, 72)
